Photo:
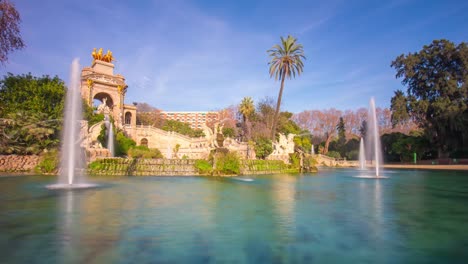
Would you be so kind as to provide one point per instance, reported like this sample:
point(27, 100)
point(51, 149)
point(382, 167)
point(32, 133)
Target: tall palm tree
point(286, 62)
point(246, 109)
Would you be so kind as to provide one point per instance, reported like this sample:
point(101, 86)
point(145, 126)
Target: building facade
point(196, 120)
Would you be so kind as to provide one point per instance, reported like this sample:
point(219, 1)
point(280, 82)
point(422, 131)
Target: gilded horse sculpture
point(108, 57)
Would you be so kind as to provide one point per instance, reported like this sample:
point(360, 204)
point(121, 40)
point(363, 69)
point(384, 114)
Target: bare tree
point(10, 37)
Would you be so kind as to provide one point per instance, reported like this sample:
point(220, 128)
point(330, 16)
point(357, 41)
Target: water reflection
point(327, 218)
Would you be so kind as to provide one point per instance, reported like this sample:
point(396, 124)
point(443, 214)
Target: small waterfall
point(312, 150)
point(110, 136)
point(362, 155)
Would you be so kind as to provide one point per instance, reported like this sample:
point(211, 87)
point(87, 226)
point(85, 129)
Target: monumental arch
point(99, 82)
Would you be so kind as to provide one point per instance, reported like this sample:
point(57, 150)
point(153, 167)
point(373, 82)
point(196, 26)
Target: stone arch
point(100, 97)
point(144, 142)
point(128, 118)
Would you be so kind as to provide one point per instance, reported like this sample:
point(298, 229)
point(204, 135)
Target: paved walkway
point(426, 167)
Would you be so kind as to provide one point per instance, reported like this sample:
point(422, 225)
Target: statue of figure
point(99, 55)
point(103, 108)
point(221, 126)
point(94, 54)
point(290, 144)
point(108, 57)
point(276, 148)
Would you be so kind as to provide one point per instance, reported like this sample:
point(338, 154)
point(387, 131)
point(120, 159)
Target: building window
point(144, 142)
point(128, 118)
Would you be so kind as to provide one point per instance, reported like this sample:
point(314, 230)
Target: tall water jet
point(362, 155)
point(373, 138)
point(72, 163)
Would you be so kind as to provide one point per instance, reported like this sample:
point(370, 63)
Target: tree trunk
point(327, 144)
point(278, 104)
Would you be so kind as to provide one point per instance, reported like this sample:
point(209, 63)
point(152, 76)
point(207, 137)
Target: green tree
point(32, 94)
point(286, 125)
point(30, 113)
point(10, 37)
point(246, 109)
point(286, 62)
point(363, 129)
point(399, 107)
point(436, 91)
point(340, 127)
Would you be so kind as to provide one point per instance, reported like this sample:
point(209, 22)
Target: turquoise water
point(329, 217)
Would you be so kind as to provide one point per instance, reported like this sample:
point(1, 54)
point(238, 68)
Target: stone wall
point(177, 167)
point(265, 167)
point(16, 163)
point(143, 167)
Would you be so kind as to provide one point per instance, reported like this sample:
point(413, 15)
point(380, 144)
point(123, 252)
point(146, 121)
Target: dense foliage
point(30, 113)
point(28, 133)
point(123, 144)
point(400, 147)
point(144, 152)
point(227, 163)
point(204, 167)
point(263, 147)
point(436, 96)
point(49, 162)
point(182, 128)
point(32, 94)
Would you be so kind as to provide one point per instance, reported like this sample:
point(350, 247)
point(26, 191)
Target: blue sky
point(205, 55)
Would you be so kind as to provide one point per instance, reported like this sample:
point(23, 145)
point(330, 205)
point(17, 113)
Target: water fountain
point(73, 160)
point(373, 148)
point(362, 155)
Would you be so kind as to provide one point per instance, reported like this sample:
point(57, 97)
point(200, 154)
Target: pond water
point(328, 217)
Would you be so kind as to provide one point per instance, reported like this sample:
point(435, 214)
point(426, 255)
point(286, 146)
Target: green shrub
point(144, 152)
point(49, 163)
point(263, 148)
point(102, 138)
point(96, 165)
point(229, 132)
point(334, 154)
point(353, 155)
point(123, 144)
point(295, 160)
point(203, 167)
point(228, 163)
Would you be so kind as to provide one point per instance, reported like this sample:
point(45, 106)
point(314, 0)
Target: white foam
point(71, 186)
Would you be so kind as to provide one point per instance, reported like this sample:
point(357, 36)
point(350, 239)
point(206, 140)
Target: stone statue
point(284, 146)
point(103, 108)
point(210, 136)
